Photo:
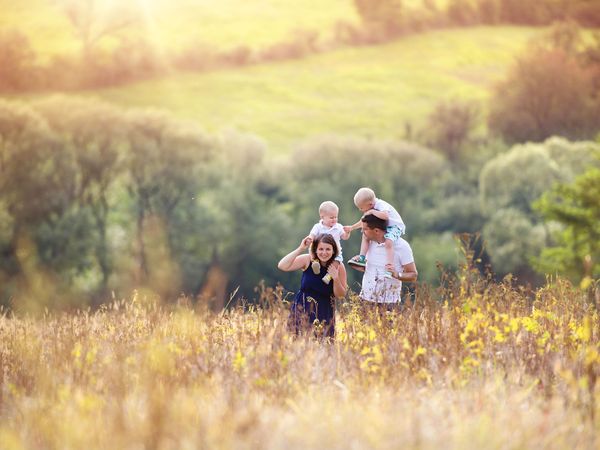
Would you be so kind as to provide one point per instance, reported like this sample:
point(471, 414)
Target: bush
point(17, 62)
point(385, 15)
point(548, 92)
point(450, 125)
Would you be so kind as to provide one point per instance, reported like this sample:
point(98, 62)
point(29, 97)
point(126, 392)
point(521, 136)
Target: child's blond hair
point(364, 195)
point(328, 206)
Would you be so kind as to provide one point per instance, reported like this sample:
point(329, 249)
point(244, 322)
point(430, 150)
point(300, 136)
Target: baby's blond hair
point(327, 207)
point(364, 194)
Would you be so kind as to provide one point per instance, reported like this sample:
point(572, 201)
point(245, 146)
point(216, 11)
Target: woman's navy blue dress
point(313, 301)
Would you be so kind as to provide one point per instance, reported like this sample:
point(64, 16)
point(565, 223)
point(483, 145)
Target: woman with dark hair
point(315, 301)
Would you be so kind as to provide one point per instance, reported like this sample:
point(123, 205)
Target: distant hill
point(362, 91)
point(177, 23)
point(366, 91)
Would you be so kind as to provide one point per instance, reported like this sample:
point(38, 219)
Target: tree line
point(96, 201)
point(130, 58)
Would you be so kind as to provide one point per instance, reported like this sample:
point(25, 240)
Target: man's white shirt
point(376, 287)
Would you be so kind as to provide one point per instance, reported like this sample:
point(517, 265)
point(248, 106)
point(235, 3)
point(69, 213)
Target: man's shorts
point(393, 233)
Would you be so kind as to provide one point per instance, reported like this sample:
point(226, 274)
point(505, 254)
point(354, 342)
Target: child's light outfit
point(396, 227)
point(336, 231)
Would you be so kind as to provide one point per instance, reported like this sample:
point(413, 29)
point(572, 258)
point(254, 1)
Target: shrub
point(548, 92)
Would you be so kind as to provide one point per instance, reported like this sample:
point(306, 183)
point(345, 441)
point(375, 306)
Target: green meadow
point(377, 91)
point(364, 91)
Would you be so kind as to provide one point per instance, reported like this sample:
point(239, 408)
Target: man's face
point(370, 233)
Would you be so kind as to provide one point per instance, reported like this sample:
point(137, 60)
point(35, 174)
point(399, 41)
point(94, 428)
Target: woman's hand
point(295, 260)
point(334, 271)
point(306, 242)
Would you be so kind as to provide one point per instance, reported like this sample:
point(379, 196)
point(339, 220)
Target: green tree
point(513, 239)
point(249, 226)
point(38, 192)
point(509, 185)
point(576, 207)
point(551, 90)
point(547, 93)
point(167, 162)
point(93, 20)
point(82, 126)
point(449, 127)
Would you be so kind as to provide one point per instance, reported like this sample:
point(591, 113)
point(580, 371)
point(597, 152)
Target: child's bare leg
point(360, 259)
point(364, 245)
point(389, 253)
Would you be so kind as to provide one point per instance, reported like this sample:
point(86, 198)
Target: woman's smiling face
point(324, 252)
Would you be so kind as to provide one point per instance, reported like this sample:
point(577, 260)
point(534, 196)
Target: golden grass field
point(473, 366)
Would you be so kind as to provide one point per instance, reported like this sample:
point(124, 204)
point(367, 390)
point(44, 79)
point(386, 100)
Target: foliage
point(385, 15)
point(502, 186)
point(118, 44)
point(551, 90)
point(248, 228)
point(513, 239)
point(92, 20)
point(576, 207)
point(404, 171)
point(450, 126)
point(459, 62)
point(509, 185)
point(167, 164)
point(17, 62)
point(458, 212)
point(82, 126)
point(159, 205)
point(436, 256)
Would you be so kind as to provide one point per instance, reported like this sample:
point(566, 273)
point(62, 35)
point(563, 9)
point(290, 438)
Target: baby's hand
point(347, 229)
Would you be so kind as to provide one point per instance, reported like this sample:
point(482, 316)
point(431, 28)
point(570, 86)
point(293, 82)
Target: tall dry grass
point(475, 365)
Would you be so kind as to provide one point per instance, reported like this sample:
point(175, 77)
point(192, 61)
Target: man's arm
point(409, 273)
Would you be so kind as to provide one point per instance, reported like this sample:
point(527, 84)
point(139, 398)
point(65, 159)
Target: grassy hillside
point(369, 91)
point(178, 23)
